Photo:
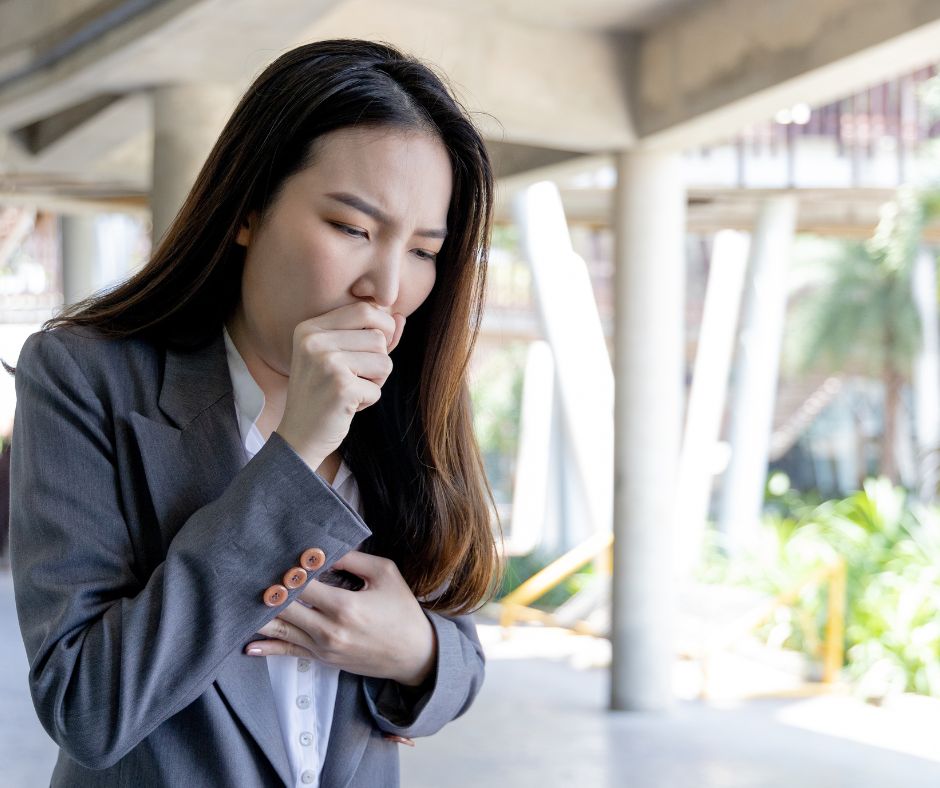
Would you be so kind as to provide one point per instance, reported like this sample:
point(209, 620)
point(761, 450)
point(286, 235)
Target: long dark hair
point(414, 455)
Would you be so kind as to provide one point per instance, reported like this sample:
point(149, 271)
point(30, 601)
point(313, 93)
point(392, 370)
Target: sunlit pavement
point(541, 721)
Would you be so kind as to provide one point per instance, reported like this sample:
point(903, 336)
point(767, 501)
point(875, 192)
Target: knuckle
point(329, 641)
point(345, 389)
point(330, 361)
point(310, 342)
point(340, 639)
point(347, 616)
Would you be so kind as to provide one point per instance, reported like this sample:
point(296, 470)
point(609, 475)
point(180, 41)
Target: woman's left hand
point(379, 630)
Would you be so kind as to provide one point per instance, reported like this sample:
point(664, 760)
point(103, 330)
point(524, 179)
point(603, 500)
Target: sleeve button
point(275, 595)
point(313, 558)
point(295, 577)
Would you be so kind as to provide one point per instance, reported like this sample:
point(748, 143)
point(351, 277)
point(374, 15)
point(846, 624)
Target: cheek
point(328, 263)
point(419, 287)
point(300, 266)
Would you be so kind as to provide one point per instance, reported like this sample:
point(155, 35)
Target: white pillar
point(187, 120)
point(98, 251)
point(649, 219)
point(81, 272)
point(755, 379)
point(706, 407)
point(532, 486)
point(572, 326)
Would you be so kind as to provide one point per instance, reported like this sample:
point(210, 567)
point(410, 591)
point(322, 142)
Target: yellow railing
point(516, 605)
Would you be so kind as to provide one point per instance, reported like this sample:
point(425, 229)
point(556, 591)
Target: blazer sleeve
point(448, 691)
point(113, 655)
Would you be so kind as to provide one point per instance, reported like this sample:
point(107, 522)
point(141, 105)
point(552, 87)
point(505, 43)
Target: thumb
point(399, 330)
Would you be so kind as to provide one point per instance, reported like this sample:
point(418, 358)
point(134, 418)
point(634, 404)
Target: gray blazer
point(142, 539)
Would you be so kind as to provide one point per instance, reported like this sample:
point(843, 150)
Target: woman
point(249, 522)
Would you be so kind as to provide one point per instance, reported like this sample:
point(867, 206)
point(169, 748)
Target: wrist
point(312, 459)
point(422, 672)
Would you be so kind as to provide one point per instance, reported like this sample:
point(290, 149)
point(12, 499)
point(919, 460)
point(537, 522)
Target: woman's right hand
point(339, 362)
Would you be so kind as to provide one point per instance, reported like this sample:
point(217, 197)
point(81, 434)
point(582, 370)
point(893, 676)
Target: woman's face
point(365, 221)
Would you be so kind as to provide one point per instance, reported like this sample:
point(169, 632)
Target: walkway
point(541, 722)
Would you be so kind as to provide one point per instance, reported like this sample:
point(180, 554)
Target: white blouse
point(304, 689)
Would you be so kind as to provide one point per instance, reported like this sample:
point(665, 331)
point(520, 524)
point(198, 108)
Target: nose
point(382, 281)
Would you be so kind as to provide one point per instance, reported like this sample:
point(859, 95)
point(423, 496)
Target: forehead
point(405, 172)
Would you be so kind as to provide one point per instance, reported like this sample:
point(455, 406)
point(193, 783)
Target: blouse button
point(307, 777)
point(295, 577)
point(313, 558)
point(306, 738)
point(275, 595)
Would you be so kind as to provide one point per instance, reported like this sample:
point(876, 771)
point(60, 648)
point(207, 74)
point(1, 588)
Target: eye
point(425, 255)
point(352, 231)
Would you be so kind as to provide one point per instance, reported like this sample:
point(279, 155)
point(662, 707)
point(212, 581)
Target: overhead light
point(798, 114)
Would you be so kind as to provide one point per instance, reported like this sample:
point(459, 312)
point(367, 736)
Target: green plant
point(891, 545)
point(496, 395)
point(860, 311)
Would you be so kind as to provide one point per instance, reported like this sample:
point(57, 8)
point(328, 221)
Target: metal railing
point(517, 606)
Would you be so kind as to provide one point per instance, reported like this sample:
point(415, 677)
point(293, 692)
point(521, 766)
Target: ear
point(245, 231)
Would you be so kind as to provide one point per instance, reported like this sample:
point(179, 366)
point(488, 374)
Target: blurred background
point(707, 387)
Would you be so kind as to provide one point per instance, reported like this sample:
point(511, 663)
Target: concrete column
point(187, 120)
point(755, 379)
point(649, 222)
point(98, 251)
point(583, 373)
point(707, 394)
point(532, 486)
point(81, 273)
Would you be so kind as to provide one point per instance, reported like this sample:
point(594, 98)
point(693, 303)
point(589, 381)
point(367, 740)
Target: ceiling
point(593, 15)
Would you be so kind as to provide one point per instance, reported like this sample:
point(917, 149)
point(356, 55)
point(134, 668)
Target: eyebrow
point(376, 213)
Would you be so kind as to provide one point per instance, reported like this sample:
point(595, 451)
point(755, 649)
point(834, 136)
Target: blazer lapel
point(197, 398)
point(349, 732)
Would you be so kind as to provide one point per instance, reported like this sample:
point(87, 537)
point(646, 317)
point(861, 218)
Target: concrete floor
point(541, 722)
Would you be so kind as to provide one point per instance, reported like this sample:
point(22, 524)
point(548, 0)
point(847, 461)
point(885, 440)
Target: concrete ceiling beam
point(528, 85)
point(509, 159)
point(43, 135)
point(167, 42)
point(705, 73)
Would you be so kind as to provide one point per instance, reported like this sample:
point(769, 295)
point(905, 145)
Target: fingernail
point(254, 651)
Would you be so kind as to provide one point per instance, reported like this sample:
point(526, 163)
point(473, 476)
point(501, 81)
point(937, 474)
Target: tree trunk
point(892, 397)
point(862, 441)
